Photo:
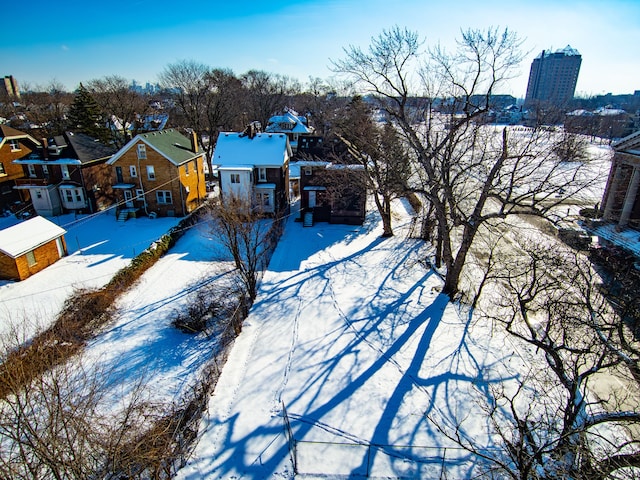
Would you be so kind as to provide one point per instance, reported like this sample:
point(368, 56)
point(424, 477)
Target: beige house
point(158, 173)
point(30, 246)
point(621, 200)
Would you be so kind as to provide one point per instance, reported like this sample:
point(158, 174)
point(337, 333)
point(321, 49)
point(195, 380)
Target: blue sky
point(71, 41)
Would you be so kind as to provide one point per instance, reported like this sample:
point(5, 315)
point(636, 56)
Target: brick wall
point(19, 268)
point(187, 191)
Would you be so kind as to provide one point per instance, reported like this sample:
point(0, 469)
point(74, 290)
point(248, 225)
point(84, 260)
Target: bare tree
point(46, 108)
point(560, 420)
point(208, 100)
point(248, 235)
point(467, 171)
point(382, 153)
point(124, 107)
point(266, 94)
point(67, 424)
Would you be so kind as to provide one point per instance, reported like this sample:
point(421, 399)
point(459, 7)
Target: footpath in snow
point(350, 335)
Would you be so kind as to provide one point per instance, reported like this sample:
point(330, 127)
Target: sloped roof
point(170, 143)
point(264, 149)
point(630, 142)
point(8, 133)
point(286, 123)
point(26, 236)
point(88, 149)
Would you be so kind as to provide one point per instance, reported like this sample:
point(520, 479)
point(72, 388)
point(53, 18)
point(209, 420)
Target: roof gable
point(26, 236)
point(288, 122)
point(170, 143)
point(8, 133)
point(263, 149)
point(630, 142)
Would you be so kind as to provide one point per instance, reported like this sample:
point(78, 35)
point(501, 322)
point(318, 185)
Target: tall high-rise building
point(9, 86)
point(553, 77)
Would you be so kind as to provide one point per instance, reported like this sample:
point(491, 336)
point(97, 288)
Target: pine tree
point(86, 116)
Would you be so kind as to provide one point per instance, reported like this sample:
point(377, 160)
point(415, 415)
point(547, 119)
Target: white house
point(291, 124)
point(254, 166)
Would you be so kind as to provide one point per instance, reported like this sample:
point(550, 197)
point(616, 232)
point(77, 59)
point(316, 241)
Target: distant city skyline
point(299, 38)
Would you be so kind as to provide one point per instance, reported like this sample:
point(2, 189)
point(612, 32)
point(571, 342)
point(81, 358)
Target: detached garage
point(29, 247)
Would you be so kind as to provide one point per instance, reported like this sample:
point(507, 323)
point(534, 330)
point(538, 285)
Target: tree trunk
point(387, 230)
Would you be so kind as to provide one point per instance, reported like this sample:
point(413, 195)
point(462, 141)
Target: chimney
point(194, 141)
point(45, 149)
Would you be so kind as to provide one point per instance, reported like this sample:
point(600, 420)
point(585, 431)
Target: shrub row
point(82, 315)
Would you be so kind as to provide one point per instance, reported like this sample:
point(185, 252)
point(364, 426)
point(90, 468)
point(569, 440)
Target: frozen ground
point(350, 334)
point(98, 247)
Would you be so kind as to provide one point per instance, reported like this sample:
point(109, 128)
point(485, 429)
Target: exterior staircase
point(307, 221)
point(123, 215)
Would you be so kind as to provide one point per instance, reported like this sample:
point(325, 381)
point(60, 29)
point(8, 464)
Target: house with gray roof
point(68, 173)
point(158, 174)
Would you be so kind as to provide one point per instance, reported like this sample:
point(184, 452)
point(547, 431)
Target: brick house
point(30, 246)
point(14, 145)
point(621, 199)
point(68, 174)
point(334, 193)
point(254, 166)
point(158, 173)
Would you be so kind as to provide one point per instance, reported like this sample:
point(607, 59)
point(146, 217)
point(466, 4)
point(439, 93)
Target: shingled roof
point(170, 143)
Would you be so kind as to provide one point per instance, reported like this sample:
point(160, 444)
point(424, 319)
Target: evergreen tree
point(86, 116)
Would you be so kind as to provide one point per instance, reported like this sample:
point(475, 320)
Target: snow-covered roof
point(40, 161)
point(263, 186)
point(261, 150)
point(630, 142)
point(28, 235)
point(289, 122)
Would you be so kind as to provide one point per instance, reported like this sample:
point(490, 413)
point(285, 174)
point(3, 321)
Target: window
point(308, 171)
point(78, 193)
point(32, 170)
point(45, 170)
point(235, 178)
point(133, 171)
point(262, 174)
point(142, 151)
point(139, 194)
point(2, 170)
point(68, 195)
point(38, 193)
point(15, 145)
point(65, 172)
point(264, 199)
point(186, 169)
point(151, 172)
point(31, 259)
point(164, 196)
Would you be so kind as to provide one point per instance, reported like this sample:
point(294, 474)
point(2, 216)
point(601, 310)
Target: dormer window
point(142, 151)
point(15, 145)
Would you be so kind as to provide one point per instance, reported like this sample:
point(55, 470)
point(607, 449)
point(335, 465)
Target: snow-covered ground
point(350, 335)
point(98, 247)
